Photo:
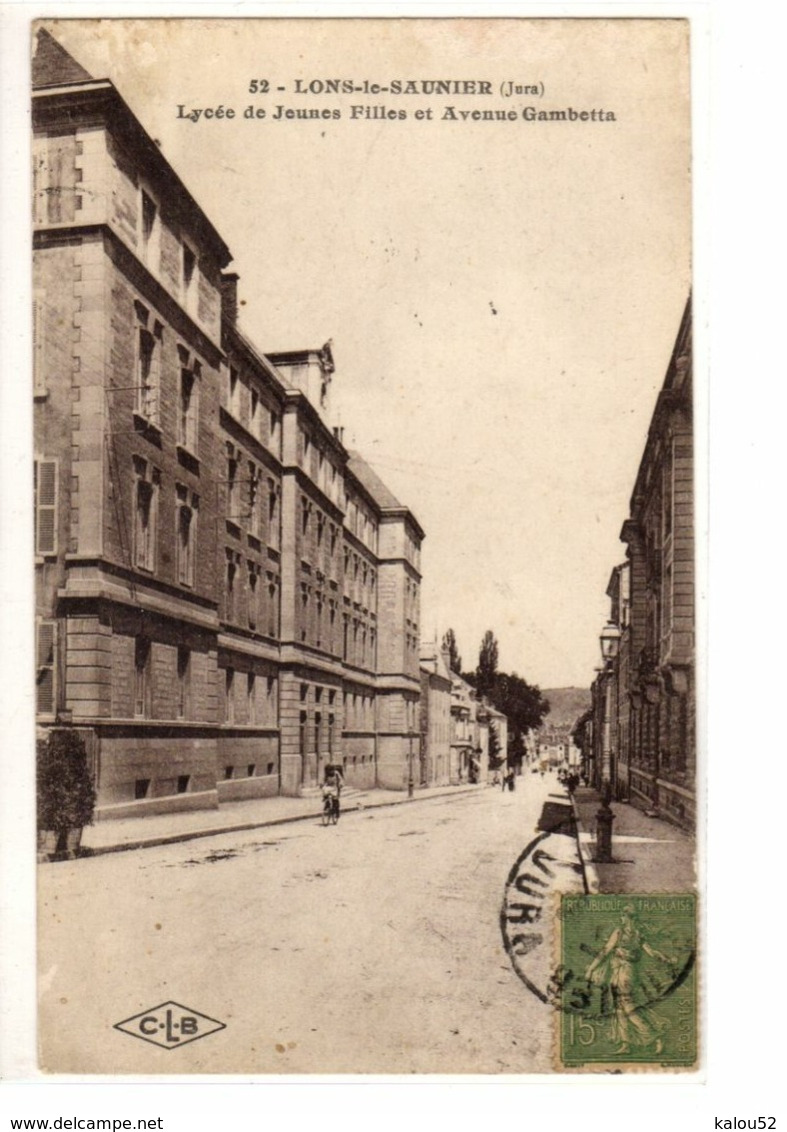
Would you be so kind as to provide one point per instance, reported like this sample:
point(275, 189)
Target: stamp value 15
point(626, 984)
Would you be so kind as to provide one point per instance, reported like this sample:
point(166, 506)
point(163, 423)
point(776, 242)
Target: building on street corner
point(227, 598)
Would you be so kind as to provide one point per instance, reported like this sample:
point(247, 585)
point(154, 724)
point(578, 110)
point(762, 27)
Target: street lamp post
point(610, 643)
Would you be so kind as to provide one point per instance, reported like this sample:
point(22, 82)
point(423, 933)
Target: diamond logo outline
point(150, 1023)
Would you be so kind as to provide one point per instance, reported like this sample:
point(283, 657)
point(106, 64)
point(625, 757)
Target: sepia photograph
point(366, 689)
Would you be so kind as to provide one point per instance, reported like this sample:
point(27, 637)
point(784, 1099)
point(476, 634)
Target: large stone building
point(640, 736)
point(227, 598)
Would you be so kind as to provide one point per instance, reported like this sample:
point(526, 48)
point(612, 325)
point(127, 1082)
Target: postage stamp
point(626, 986)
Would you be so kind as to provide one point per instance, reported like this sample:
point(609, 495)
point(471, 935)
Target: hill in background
point(566, 705)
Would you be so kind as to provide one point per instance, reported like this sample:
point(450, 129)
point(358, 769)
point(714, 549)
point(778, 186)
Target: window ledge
point(187, 458)
point(147, 426)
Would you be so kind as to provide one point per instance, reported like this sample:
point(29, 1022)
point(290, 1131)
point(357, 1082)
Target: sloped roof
point(371, 482)
point(52, 65)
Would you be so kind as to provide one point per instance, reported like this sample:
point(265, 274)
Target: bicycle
point(330, 809)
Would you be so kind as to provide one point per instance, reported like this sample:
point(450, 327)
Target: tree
point(486, 672)
point(524, 706)
point(521, 702)
point(450, 646)
point(64, 786)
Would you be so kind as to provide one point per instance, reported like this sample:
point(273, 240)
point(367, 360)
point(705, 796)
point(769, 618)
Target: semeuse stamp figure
point(619, 966)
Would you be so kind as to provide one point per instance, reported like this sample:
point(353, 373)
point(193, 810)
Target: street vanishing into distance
point(370, 947)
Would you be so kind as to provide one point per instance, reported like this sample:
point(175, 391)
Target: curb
point(243, 827)
point(589, 871)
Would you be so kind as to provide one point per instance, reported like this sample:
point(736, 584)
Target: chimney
point(229, 297)
point(338, 432)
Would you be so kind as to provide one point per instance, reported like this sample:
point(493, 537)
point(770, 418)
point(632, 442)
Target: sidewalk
point(233, 817)
point(650, 854)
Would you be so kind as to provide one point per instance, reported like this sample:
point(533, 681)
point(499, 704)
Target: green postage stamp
point(627, 980)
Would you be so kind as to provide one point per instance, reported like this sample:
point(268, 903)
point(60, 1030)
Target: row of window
point(319, 538)
point(360, 580)
point(46, 667)
point(143, 787)
point(321, 712)
point(360, 521)
point(318, 626)
point(143, 681)
point(150, 251)
point(252, 499)
point(318, 618)
point(245, 404)
point(359, 642)
point(358, 711)
point(319, 734)
point(149, 347)
point(256, 604)
point(250, 699)
point(147, 492)
point(325, 474)
point(318, 466)
point(250, 770)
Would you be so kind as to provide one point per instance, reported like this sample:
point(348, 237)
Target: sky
point(502, 297)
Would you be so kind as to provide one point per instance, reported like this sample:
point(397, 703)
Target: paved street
point(374, 946)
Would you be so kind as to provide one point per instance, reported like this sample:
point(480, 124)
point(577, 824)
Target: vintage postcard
point(366, 699)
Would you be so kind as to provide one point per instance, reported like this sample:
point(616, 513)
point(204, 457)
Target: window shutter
point(45, 668)
point(46, 506)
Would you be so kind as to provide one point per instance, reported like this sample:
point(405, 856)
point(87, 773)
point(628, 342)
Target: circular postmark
point(620, 968)
point(527, 915)
point(609, 944)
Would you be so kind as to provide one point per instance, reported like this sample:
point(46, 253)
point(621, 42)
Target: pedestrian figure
point(511, 780)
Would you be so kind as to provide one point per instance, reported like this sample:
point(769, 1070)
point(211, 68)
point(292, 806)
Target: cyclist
point(332, 785)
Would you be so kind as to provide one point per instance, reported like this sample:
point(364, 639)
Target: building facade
point(641, 736)
point(435, 715)
point(473, 723)
point(227, 599)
